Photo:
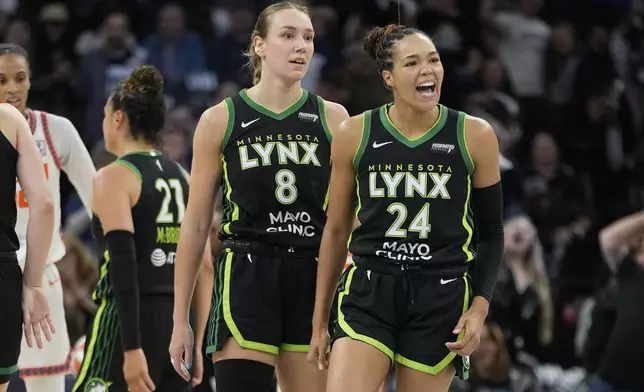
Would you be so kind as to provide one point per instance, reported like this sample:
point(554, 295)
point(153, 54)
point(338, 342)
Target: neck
point(408, 119)
point(273, 93)
point(130, 146)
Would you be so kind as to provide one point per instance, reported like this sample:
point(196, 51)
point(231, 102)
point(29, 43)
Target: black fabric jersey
point(414, 195)
point(8, 173)
point(276, 170)
point(157, 220)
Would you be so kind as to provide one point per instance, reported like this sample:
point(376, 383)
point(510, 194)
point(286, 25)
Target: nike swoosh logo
point(443, 281)
point(378, 145)
point(245, 124)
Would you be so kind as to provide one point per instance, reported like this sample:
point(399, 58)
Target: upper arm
point(346, 143)
point(116, 190)
point(206, 162)
point(335, 115)
point(483, 147)
point(30, 164)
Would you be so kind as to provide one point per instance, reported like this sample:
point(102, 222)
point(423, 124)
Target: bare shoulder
point(9, 121)
point(113, 177)
point(478, 129)
point(59, 124)
point(212, 124)
point(336, 111)
point(351, 128)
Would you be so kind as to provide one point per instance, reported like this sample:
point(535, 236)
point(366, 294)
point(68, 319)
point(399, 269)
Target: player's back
point(8, 174)
point(276, 170)
point(157, 218)
point(413, 195)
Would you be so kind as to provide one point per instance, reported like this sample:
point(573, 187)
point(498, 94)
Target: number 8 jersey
point(157, 217)
point(275, 169)
point(414, 195)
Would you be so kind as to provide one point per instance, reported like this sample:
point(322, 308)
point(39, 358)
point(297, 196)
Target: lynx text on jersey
point(280, 148)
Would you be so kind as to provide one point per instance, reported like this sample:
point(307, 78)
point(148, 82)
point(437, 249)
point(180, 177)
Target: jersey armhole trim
point(230, 121)
point(462, 142)
point(366, 130)
point(183, 171)
point(50, 141)
point(130, 166)
point(323, 118)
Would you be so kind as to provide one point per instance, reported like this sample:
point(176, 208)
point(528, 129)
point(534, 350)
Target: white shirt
point(61, 148)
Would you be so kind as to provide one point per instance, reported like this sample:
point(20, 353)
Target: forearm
point(487, 204)
point(39, 235)
point(190, 252)
point(201, 301)
point(331, 263)
point(125, 286)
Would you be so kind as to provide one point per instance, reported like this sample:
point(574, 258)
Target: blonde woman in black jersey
point(269, 148)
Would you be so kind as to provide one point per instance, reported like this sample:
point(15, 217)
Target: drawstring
point(407, 283)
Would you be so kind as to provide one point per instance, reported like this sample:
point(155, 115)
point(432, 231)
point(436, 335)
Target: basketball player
point(139, 204)
point(61, 148)
point(22, 296)
point(270, 145)
point(421, 170)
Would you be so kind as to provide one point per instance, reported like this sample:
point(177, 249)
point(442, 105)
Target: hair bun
point(375, 37)
point(145, 79)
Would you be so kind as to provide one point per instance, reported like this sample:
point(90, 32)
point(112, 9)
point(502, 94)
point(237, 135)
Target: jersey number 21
point(172, 191)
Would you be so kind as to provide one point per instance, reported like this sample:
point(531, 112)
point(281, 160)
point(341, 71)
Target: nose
point(426, 70)
point(300, 45)
point(12, 86)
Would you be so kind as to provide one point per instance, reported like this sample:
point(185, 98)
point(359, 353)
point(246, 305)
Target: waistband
point(399, 269)
point(8, 257)
point(264, 249)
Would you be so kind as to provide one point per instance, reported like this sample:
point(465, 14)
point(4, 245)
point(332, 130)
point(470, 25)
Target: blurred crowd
point(561, 82)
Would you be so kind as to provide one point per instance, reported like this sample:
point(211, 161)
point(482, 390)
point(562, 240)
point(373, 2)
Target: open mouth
point(427, 89)
point(298, 62)
point(13, 100)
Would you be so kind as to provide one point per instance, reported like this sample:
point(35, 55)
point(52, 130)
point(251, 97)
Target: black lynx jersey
point(157, 220)
point(414, 195)
point(276, 170)
point(8, 172)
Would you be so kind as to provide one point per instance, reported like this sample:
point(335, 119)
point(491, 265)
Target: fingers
point(312, 355)
point(50, 322)
point(35, 327)
point(28, 333)
point(323, 360)
point(177, 363)
point(468, 343)
point(460, 325)
point(148, 382)
point(197, 374)
point(187, 354)
point(44, 325)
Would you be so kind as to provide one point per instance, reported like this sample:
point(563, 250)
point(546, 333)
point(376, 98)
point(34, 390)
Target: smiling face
point(14, 80)
point(417, 73)
point(287, 47)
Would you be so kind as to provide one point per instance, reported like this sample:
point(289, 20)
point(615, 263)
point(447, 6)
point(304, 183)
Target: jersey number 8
point(286, 191)
point(165, 216)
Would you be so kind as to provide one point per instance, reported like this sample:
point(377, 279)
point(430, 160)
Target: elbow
point(42, 208)
point(606, 242)
point(208, 267)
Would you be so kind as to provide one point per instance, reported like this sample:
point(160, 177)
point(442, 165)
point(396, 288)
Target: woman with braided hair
point(421, 173)
point(139, 203)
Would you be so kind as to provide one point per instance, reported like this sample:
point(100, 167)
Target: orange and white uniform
point(61, 148)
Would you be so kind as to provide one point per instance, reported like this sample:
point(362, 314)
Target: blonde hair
point(261, 29)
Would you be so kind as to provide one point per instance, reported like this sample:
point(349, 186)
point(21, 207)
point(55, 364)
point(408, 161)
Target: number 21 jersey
point(275, 169)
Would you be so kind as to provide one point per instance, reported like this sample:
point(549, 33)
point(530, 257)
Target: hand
point(35, 311)
point(472, 323)
point(197, 372)
point(319, 348)
point(135, 370)
point(181, 346)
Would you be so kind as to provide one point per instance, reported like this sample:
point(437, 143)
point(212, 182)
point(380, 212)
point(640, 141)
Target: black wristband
point(487, 205)
point(125, 285)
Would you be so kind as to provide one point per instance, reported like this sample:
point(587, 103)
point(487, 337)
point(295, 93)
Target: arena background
point(561, 81)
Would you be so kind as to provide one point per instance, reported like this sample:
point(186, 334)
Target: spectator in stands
point(102, 68)
point(494, 370)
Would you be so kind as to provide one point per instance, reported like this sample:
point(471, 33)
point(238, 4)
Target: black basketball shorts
point(407, 314)
point(10, 315)
point(102, 367)
point(264, 302)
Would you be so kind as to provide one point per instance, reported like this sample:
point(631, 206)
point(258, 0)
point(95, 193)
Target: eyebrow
point(432, 53)
point(295, 28)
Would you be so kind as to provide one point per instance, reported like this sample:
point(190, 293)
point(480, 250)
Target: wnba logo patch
point(308, 117)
